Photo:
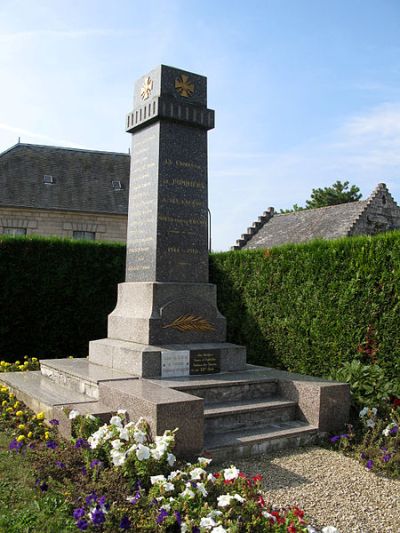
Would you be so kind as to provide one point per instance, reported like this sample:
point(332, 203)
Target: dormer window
point(117, 185)
point(48, 180)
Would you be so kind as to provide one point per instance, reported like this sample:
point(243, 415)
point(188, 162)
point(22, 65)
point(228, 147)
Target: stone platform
point(226, 414)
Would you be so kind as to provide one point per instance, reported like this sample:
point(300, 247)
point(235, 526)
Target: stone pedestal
point(166, 322)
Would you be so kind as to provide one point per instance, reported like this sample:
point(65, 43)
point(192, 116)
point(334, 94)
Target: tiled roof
point(82, 179)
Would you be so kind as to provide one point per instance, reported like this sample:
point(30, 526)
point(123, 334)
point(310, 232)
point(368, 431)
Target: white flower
point(118, 458)
point(211, 478)
point(363, 412)
point(214, 513)
point(156, 453)
point(201, 488)
point(269, 516)
point(122, 412)
point(207, 522)
point(168, 487)
point(231, 473)
point(73, 414)
point(157, 479)
point(203, 461)
point(219, 529)
point(239, 498)
point(196, 473)
point(370, 423)
point(184, 528)
point(187, 492)
point(329, 529)
point(142, 452)
point(310, 529)
point(116, 444)
point(224, 500)
point(174, 474)
point(130, 425)
point(123, 434)
point(139, 436)
point(90, 417)
point(374, 411)
point(116, 421)
point(171, 459)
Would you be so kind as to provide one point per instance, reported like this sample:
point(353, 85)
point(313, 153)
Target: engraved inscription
point(175, 363)
point(205, 362)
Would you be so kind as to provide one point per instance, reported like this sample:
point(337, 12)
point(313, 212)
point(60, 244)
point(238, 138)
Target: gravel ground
point(332, 489)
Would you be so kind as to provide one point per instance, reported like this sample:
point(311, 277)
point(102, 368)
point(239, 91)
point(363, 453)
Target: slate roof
point(82, 179)
point(331, 222)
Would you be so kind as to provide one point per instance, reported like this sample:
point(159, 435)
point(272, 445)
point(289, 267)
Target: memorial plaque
point(174, 363)
point(205, 361)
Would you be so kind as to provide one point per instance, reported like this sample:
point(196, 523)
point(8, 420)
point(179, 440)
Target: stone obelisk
point(166, 322)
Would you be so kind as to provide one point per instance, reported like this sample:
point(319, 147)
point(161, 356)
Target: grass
point(23, 509)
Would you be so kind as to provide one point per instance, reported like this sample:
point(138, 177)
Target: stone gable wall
point(381, 214)
point(63, 223)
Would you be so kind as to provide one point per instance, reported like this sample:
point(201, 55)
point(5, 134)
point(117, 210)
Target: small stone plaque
point(205, 361)
point(175, 363)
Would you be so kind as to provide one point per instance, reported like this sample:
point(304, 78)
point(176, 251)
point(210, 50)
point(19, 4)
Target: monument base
point(172, 360)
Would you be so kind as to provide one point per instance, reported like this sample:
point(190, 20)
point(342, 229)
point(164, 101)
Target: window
point(48, 180)
point(14, 231)
point(87, 235)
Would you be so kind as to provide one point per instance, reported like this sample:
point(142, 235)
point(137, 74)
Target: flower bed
point(117, 477)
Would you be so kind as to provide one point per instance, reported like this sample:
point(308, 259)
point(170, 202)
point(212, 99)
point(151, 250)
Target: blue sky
point(305, 92)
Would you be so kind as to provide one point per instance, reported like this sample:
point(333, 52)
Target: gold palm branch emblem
point(184, 85)
point(146, 88)
point(191, 323)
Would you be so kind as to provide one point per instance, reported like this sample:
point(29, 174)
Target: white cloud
point(30, 136)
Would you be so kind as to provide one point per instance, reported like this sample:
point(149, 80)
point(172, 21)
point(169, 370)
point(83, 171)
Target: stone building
point(64, 192)
point(376, 214)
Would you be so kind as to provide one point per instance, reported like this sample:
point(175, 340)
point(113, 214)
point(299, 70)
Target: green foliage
point(56, 294)
point(338, 193)
point(308, 308)
point(368, 383)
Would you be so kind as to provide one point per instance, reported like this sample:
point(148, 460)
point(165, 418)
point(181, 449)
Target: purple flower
point(54, 422)
point(51, 444)
point(125, 523)
point(60, 464)
point(15, 445)
point(97, 516)
point(78, 513)
point(136, 498)
point(43, 486)
point(195, 529)
point(383, 448)
point(84, 471)
point(394, 430)
point(82, 524)
point(363, 455)
point(81, 443)
point(386, 457)
point(194, 484)
point(95, 463)
point(344, 436)
point(370, 464)
point(138, 484)
point(92, 498)
point(335, 438)
point(161, 517)
point(178, 517)
point(102, 500)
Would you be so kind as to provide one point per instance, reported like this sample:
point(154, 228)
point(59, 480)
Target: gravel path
point(333, 489)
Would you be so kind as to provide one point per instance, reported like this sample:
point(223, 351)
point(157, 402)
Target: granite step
point(228, 416)
point(254, 441)
point(215, 391)
point(40, 393)
point(81, 375)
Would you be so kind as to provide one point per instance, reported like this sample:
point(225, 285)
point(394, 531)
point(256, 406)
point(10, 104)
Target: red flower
point(279, 519)
point(298, 512)
point(292, 528)
point(217, 475)
point(396, 402)
point(242, 475)
point(256, 478)
point(261, 501)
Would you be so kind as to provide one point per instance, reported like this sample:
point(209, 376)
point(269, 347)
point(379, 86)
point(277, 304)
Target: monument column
point(166, 322)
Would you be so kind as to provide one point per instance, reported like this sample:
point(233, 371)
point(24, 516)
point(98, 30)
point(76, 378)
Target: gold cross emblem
point(184, 85)
point(147, 88)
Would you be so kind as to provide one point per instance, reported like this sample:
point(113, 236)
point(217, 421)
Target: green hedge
point(55, 294)
point(302, 307)
point(308, 307)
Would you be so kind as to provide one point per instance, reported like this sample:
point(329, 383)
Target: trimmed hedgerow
point(56, 294)
point(310, 307)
